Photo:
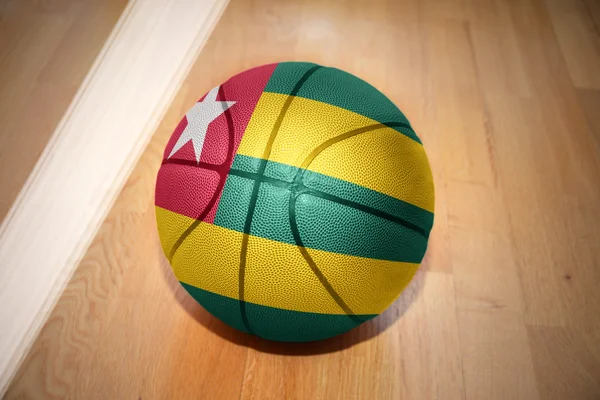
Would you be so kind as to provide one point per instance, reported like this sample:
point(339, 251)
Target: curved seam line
point(303, 189)
point(292, 213)
point(255, 189)
point(404, 125)
point(221, 169)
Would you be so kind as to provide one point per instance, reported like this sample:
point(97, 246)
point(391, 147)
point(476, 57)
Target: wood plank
point(547, 161)
point(499, 63)
point(487, 286)
point(566, 366)
point(592, 8)
point(548, 156)
point(45, 54)
point(589, 101)
point(460, 115)
point(577, 34)
point(495, 348)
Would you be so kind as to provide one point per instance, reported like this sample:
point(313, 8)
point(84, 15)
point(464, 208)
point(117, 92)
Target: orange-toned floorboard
point(46, 50)
point(505, 96)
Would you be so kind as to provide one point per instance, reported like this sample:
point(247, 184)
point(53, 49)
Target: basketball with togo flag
point(294, 202)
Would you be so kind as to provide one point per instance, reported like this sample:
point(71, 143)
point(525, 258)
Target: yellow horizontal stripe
point(276, 273)
point(383, 159)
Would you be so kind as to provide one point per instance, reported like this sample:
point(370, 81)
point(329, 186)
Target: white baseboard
point(91, 153)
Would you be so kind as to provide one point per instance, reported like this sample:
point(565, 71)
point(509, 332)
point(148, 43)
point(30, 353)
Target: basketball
point(294, 202)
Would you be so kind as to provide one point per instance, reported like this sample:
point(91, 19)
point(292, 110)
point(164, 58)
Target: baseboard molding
point(91, 153)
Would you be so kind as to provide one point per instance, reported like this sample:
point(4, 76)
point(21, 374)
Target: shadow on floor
point(364, 332)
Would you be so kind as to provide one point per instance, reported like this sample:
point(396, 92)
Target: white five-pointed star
point(198, 118)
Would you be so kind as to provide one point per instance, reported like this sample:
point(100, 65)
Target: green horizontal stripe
point(274, 323)
point(341, 89)
point(340, 188)
point(354, 221)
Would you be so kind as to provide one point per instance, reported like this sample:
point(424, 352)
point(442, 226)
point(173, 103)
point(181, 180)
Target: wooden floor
point(506, 97)
point(46, 50)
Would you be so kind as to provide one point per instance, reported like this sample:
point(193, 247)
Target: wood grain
point(46, 50)
point(589, 101)
point(505, 305)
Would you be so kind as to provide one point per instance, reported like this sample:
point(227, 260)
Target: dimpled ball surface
point(294, 202)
